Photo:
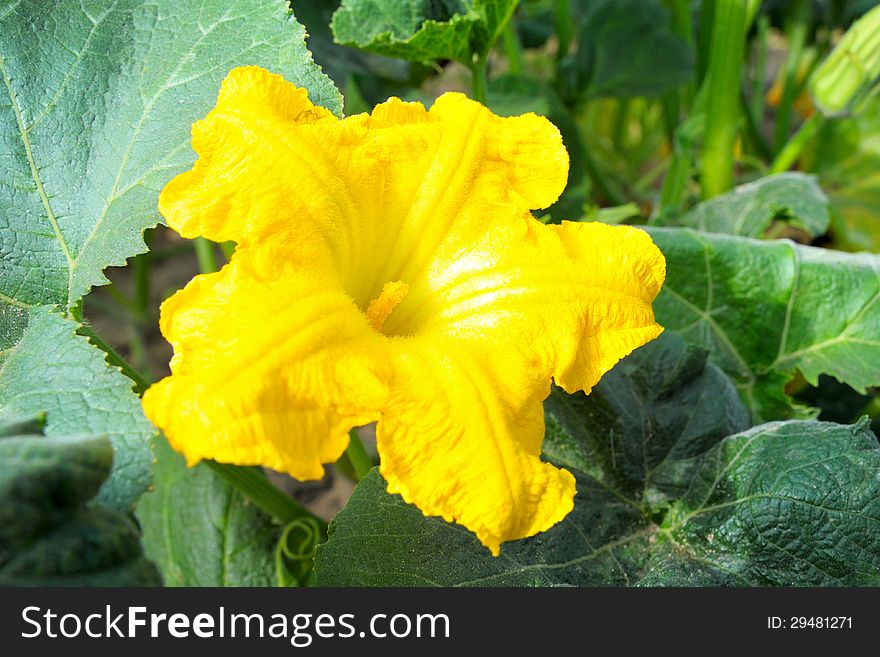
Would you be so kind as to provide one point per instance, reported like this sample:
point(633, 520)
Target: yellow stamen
point(379, 309)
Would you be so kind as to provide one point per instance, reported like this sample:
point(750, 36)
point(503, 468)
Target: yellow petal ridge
point(310, 330)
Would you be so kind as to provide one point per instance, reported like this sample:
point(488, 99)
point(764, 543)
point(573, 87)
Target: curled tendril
point(295, 551)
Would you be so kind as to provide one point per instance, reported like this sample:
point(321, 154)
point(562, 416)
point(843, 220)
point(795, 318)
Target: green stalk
point(674, 184)
point(357, 455)
point(758, 81)
point(704, 46)
point(512, 47)
point(564, 25)
point(141, 274)
point(205, 255)
point(753, 131)
point(671, 114)
point(253, 483)
point(683, 27)
point(227, 248)
point(621, 123)
point(723, 99)
point(791, 152)
point(797, 30)
point(479, 83)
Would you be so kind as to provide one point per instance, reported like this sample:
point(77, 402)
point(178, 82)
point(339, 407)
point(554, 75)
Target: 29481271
point(810, 623)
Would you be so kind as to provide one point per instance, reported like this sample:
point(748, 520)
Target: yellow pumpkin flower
point(388, 270)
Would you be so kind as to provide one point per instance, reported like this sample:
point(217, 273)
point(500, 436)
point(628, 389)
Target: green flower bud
point(850, 73)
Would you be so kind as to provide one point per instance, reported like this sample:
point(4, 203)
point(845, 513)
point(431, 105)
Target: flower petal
point(270, 368)
point(461, 439)
point(376, 193)
point(576, 295)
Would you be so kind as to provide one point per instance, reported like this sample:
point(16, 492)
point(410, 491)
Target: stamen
point(379, 309)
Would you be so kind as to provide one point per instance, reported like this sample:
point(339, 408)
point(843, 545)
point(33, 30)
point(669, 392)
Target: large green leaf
point(200, 531)
point(422, 30)
point(790, 503)
point(764, 309)
point(749, 210)
point(656, 409)
point(50, 533)
point(51, 369)
point(96, 104)
point(626, 48)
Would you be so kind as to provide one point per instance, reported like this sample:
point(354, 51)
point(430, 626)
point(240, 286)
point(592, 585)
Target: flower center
point(380, 308)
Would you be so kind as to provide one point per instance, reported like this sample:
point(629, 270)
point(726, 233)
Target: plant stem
point(621, 124)
point(674, 184)
point(564, 25)
point(479, 83)
point(791, 152)
point(671, 114)
point(228, 248)
point(512, 47)
point(357, 455)
point(723, 99)
point(760, 71)
point(205, 255)
point(797, 37)
point(682, 26)
point(253, 483)
point(141, 274)
point(704, 45)
point(753, 131)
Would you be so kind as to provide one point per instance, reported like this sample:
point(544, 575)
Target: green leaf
point(200, 531)
point(626, 48)
point(96, 104)
point(749, 209)
point(422, 30)
point(50, 533)
point(653, 412)
point(51, 369)
point(764, 309)
point(342, 63)
point(786, 503)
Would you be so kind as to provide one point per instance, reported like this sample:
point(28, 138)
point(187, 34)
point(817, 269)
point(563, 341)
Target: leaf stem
point(564, 25)
point(760, 70)
point(723, 98)
point(791, 152)
point(512, 47)
point(357, 455)
point(254, 483)
point(228, 248)
point(621, 124)
point(205, 255)
point(479, 83)
point(797, 37)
